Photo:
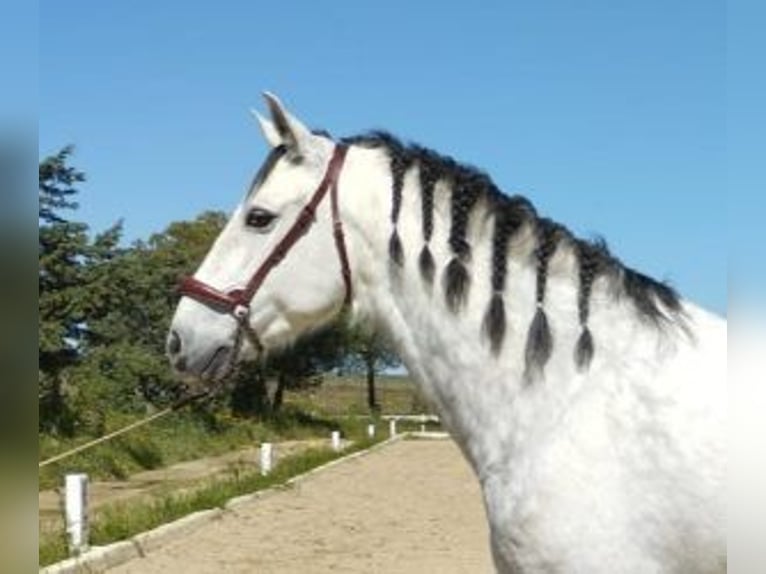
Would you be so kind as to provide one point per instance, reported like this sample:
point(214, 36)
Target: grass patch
point(123, 520)
point(52, 548)
point(179, 437)
point(347, 395)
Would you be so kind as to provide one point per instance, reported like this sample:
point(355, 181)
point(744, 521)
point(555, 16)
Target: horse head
point(279, 267)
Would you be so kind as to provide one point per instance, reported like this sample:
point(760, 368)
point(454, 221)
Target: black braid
point(464, 196)
point(548, 235)
point(539, 339)
point(428, 177)
point(427, 264)
point(467, 187)
point(400, 162)
point(591, 258)
point(510, 215)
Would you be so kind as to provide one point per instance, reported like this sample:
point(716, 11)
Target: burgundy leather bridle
point(236, 302)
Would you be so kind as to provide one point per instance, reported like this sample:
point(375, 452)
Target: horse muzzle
point(207, 363)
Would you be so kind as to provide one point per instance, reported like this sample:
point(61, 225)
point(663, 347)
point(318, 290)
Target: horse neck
point(485, 398)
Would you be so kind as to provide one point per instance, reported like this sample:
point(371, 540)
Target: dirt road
point(412, 506)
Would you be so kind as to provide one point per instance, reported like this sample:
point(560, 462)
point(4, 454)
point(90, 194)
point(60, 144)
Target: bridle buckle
point(240, 311)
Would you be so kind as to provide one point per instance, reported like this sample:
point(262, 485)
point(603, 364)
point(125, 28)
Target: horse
point(588, 398)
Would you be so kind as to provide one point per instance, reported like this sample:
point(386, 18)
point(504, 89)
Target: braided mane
point(655, 302)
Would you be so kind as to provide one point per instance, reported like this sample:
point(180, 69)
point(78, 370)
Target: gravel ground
point(412, 506)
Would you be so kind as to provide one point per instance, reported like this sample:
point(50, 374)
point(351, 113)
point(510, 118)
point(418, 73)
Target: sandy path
point(413, 506)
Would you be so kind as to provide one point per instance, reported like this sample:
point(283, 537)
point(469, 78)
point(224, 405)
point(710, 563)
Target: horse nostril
point(174, 343)
point(180, 364)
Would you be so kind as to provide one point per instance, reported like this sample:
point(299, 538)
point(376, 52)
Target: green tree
point(126, 365)
point(67, 285)
point(104, 309)
point(369, 350)
point(63, 249)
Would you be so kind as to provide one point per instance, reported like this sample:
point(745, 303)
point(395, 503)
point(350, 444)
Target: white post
point(422, 428)
point(371, 431)
point(335, 440)
point(266, 455)
point(76, 512)
point(392, 427)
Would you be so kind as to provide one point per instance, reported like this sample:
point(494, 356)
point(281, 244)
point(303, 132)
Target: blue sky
point(609, 115)
point(746, 149)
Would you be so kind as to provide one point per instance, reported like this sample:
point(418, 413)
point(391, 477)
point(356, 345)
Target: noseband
point(236, 302)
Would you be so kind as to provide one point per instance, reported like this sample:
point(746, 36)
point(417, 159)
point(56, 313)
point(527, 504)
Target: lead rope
point(180, 403)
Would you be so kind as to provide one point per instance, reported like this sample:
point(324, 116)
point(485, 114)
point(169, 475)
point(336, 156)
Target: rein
point(180, 403)
point(236, 302)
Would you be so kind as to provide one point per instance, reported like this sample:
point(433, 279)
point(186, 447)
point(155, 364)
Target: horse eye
point(259, 218)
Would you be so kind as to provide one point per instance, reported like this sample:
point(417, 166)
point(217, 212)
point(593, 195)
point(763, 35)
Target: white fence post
point(392, 427)
point(266, 458)
point(371, 430)
point(76, 512)
point(422, 428)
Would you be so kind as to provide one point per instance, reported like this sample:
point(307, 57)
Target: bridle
point(236, 302)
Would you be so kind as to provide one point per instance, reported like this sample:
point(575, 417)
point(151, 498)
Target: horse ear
point(292, 133)
point(268, 129)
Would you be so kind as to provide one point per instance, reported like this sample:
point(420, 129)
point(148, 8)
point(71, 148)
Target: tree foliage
point(63, 254)
point(369, 351)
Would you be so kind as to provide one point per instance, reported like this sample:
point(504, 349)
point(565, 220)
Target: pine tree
point(63, 246)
